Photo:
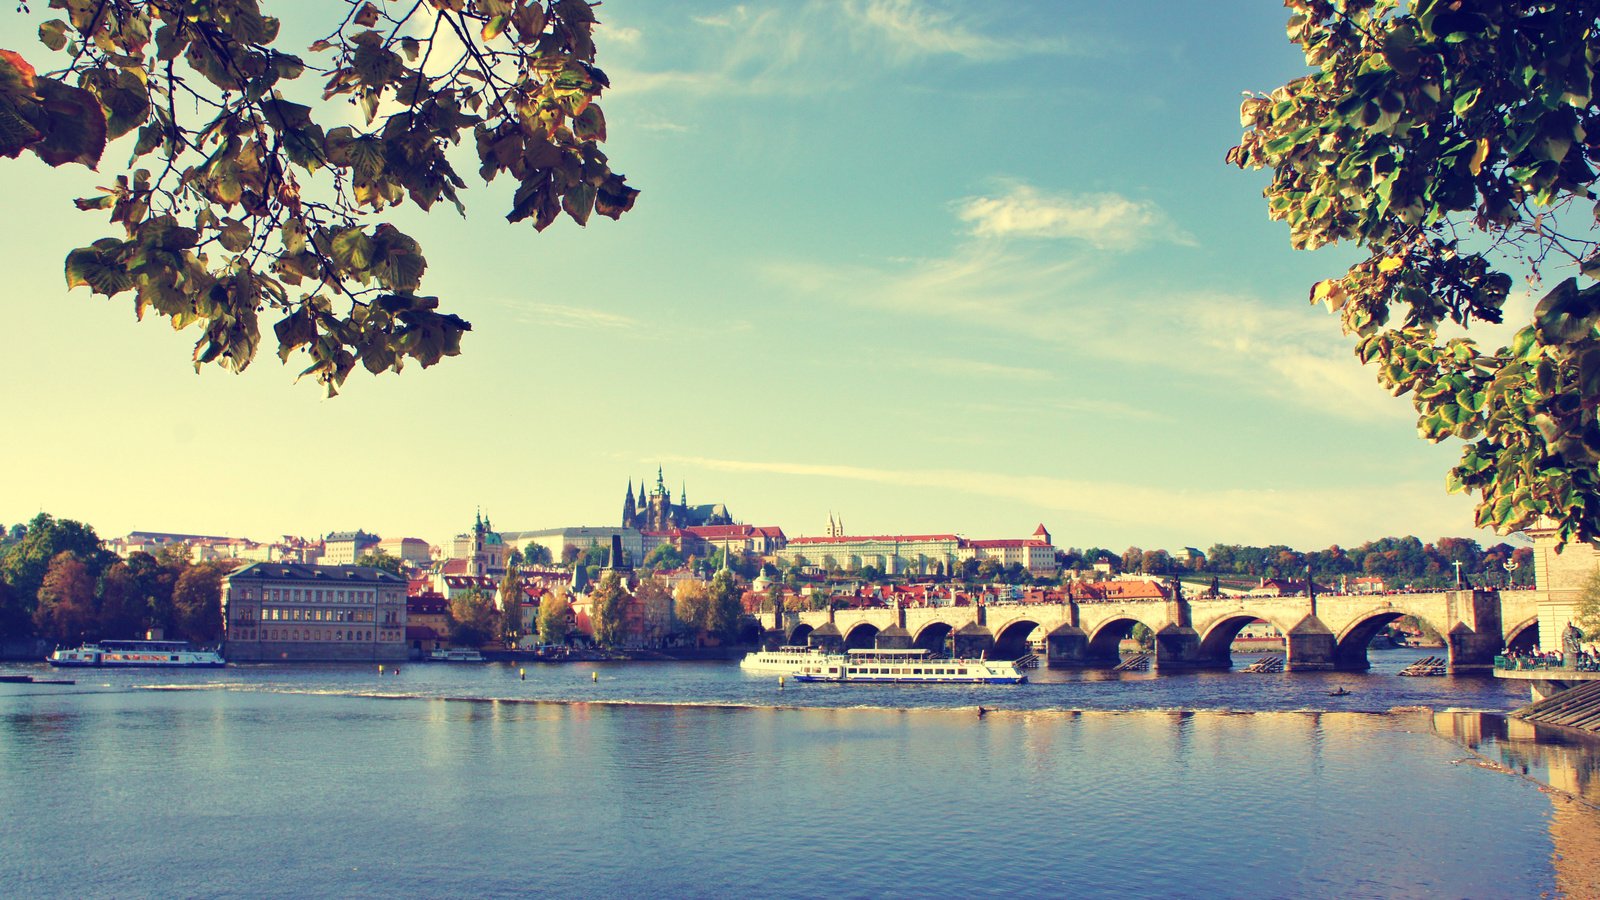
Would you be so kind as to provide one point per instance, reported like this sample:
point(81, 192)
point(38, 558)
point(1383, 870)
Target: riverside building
point(290, 612)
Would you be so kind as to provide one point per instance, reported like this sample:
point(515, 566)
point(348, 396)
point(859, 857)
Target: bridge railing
point(1585, 663)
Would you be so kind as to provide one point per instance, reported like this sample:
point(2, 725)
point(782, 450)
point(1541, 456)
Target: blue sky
point(929, 266)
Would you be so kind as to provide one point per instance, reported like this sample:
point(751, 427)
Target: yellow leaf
point(1478, 156)
point(1390, 263)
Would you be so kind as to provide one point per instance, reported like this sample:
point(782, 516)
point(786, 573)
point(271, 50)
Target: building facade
point(655, 511)
point(413, 551)
point(302, 613)
point(343, 548)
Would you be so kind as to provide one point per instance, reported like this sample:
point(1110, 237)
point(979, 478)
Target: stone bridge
point(1321, 633)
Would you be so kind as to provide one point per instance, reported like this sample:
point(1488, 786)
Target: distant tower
point(683, 494)
point(627, 507)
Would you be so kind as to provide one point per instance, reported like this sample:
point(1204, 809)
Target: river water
point(695, 779)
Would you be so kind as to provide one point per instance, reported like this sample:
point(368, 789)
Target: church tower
point(628, 509)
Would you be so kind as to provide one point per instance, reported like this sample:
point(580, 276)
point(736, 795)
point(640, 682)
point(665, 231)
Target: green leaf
point(53, 34)
point(353, 249)
point(72, 122)
point(234, 235)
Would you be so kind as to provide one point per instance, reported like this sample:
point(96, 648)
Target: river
point(695, 779)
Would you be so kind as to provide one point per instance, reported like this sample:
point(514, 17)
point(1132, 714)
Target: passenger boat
point(915, 666)
point(782, 661)
point(455, 654)
point(128, 654)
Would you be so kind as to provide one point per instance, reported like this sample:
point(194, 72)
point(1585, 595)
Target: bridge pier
point(826, 637)
point(1067, 648)
point(1178, 650)
point(1468, 651)
point(894, 638)
point(1310, 647)
point(972, 640)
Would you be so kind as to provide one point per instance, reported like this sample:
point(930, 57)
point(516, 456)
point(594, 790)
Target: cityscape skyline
point(929, 269)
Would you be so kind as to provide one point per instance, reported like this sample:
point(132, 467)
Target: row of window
point(275, 614)
point(311, 634)
point(320, 595)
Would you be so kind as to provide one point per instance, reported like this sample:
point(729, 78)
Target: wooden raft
point(1576, 707)
point(1138, 662)
point(1429, 665)
point(1270, 663)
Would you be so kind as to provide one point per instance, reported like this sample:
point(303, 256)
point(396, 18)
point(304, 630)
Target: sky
point(923, 265)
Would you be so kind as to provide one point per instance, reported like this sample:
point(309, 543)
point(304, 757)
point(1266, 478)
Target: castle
point(657, 513)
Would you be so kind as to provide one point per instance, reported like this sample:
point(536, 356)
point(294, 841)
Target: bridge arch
point(1523, 635)
point(799, 635)
point(1216, 638)
point(1011, 641)
point(864, 636)
point(935, 637)
point(1350, 644)
point(1106, 639)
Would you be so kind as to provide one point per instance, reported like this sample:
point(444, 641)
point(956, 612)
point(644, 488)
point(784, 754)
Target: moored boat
point(782, 661)
point(136, 654)
point(455, 654)
point(907, 667)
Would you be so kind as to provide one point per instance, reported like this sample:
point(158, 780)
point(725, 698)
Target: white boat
point(907, 667)
point(128, 654)
point(782, 661)
point(455, 654)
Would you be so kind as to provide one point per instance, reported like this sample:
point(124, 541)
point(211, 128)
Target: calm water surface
point(697, 780)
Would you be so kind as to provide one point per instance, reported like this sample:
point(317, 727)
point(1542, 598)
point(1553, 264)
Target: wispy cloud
point(971, 368)
point(910, 29)
point(1105, 221)
point(811, 47)
point(1255, 515)
point(557, 316)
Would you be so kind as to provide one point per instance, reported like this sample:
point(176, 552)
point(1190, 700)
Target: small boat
point(455, 654)
point(141, 654)
point(907, 667)
point(1341, 692)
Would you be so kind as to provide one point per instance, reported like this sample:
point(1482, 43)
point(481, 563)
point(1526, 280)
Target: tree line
point(59, 582)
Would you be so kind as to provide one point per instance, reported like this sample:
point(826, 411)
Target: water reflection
point(1566, 763)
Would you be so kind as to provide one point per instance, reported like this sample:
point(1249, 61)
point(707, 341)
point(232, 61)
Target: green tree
point(511, 595)
point(553, 611)
point(1453, 143)
point(197, 602)
point(608, 604)
point(66, 612)
point(29, 557)
point(123, 608)
point(725, 606)
point(473, 619)
point(664, 558)
point(379, 559)
point(247, 202)
point(536, 555)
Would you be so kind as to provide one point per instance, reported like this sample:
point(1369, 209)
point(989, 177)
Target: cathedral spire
point(661, 484)
point(628, 509)
point(683, 494)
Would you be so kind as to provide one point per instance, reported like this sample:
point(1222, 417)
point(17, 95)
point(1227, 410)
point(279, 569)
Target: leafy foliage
point(242, 202)
point(473, 619)
point(553, 611)
point(1587, 615)
point(382, 559)
point(607, 608)
point(1455, 143)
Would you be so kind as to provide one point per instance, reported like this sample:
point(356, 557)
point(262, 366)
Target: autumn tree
point(655, 604)
point(554, 608)
point(693, 604)
point(511, 606)
point(123, 608)
point(1455, 144)
point(608, 604)
point(251, 199)
point(66, 610)
point(1587, 615)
